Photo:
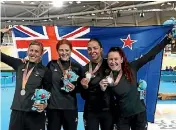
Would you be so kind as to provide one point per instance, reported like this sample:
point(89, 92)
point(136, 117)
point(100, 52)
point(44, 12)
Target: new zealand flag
point(135, 41)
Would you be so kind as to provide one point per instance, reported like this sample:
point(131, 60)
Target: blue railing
point(168, 76)
point(9, 78)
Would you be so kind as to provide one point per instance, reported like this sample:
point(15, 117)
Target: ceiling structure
point(89, 13)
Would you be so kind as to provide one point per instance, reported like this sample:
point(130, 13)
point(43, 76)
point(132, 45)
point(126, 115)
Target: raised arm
point(11, 61)
point(151, 54)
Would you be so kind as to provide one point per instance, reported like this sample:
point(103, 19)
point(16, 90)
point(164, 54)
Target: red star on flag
point(128, 42)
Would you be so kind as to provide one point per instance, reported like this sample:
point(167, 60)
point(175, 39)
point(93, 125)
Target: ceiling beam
point(40, 4)
point(50, 8)
point(109, 5)
point(86, 9)
point(31, 12)
point(90, 12)
point(92, 7)
point(18, 6)
point(89, 17)
point(70, 15)
point(45, 11)
point(23, 13)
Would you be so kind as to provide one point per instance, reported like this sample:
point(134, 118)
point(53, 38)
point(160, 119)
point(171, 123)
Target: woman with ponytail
point(97, 108)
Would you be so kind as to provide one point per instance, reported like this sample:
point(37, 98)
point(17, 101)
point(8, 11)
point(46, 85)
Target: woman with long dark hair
point(97, 103)
point(123, 79)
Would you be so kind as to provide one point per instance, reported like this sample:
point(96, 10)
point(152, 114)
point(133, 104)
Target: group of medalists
point(108, 86)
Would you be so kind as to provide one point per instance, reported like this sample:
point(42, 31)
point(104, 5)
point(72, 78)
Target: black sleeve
point(78, 83)
point(47, 80)
point(83, 92)
point(151, 54)
point(11, 61)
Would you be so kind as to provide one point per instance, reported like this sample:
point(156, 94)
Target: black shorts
point(135, 122)
point(20, 120)
point(58, 118)
point(96, 119)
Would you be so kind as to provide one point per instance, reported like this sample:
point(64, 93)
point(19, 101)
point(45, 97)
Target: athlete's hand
point(5, 30)
point(70, 86)
point(40, 107)
point(103, 84)
point(25, 60)
point(85, 82)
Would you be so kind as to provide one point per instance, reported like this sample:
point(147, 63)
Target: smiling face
point(64, 52)
point(94, 51)
point(115, 61)
point(34, 53)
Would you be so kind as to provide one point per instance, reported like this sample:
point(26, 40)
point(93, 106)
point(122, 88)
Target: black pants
point(135, 122)
point(85, 119)
point(94, 119)
point(66, 118)
point(20, 120)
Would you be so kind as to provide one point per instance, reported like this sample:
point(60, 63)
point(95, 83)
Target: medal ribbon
point(62, 68)
point(96, 68)
point(26, 76)
point(117, 79)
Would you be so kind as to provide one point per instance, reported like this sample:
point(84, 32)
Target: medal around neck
point(25, 79)
point(22, 92)
point(88, 75)
point(91, 73)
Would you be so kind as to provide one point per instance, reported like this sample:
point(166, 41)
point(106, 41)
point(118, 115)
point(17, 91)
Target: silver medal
point(110, 80)
point(23, 92)
point(88, 75)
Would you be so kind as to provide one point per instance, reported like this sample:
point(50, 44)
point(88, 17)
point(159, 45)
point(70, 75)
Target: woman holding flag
point(123, 83)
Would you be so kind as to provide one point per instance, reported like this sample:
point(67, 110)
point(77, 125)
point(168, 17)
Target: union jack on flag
point(135, 42)
point(49, 36)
